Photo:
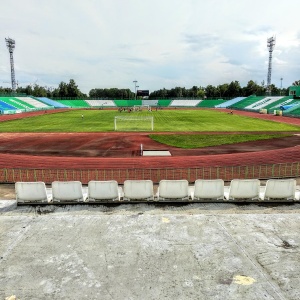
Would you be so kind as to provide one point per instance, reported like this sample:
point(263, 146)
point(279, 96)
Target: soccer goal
point(141, 107)
point(134, 123)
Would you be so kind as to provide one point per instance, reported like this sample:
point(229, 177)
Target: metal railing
point(227, 173)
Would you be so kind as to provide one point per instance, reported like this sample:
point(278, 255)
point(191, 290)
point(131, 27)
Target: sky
point(159, 43)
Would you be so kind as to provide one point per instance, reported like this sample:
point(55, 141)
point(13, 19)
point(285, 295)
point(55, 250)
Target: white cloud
point(167, 43)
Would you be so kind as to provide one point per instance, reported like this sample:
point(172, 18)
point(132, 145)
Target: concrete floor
point(193, 251)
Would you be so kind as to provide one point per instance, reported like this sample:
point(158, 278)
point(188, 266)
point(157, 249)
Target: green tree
point(222, 90)
point(234, 89)
point(211, 91)
point(201, 93)
point(73, 90)
point(252, 88)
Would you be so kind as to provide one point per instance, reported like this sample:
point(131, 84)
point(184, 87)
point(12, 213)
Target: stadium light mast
point(10, 44)
point(135, 86)
point(270, 44)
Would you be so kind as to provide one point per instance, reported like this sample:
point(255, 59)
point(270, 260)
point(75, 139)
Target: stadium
point(116, 140)
point(104, 196)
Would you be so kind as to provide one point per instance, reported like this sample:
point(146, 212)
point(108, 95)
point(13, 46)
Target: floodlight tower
point(10, 43)
point(271, 44)
point(135, 86)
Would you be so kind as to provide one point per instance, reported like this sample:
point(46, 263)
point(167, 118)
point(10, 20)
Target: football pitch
point(163, 121)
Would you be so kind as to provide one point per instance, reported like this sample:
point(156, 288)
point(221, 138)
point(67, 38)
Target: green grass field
point(193, 141)
point(164, 120)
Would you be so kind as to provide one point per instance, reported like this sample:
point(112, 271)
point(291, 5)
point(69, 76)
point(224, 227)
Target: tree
point(274, 90)
point(194, 91)
point(234, 89)
point(73, 90)
point(222, 90)
point(211, 92)
point(113, 93)
point(296, 83)
point(62, 90)
point(201, 93)
point(68, 90)
point(252, 88)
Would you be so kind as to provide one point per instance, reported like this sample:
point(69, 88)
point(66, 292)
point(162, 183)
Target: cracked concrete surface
point(140, 251)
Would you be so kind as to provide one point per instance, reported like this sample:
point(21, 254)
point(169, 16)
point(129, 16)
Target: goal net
point(141, 107)
point(133, 123)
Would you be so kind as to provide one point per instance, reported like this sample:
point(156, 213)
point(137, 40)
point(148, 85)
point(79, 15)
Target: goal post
point(133, 123)
point(141, 107)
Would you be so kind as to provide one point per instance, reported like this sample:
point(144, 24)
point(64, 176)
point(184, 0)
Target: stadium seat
point(173, 190)
point(31, 192)
point(280, 190)
point(138, 190)
point(297, 194)
point(208, 190)
point(185, 103)
point(67, 191)
point(243, 190)
point(102, 191)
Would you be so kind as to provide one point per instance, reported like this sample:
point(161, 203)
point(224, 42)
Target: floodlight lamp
point(10, 43)
point(271, 41)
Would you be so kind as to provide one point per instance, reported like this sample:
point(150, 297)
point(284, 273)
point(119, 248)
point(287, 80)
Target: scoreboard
point(142, 93)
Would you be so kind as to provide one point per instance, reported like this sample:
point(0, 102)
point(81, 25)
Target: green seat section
point(17, 103)
point(36, 103)
point(164, 102)
point(211, 103)
point(288, 100)
point(74, 103)
point(6, 107)
point(127, 103)
point(246, 102)
point(294, 111)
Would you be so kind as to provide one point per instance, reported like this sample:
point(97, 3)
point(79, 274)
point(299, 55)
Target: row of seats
point(239, 190)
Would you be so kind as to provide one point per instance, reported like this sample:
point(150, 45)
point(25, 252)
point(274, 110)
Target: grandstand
point(34, 103)
point(284, 104)
point(164, 102)
point(230, 102)
point(20, 104)
point(52, 103)
point(185, 103)
point(150, 102)
point(101, 103)
point(74, 103)
point(127, 103)
point(246, 102)
point(277, 104)
point(17, 103)
point(210, 103)
point(257, 105)
point(6, 107)
point(294, 111)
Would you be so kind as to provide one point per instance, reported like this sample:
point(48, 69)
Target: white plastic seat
point(243, 190)
point(99, 191)
point(208, 190)
point(280, 190)
point(31, 192)
point(297, 196)
point(173, 190)
point(138, 190)
point(67, 191)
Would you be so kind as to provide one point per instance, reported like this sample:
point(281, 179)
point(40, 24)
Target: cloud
point(166, 43)
point(201, 41)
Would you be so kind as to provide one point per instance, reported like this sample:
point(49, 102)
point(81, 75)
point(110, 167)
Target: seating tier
point(175, 191)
